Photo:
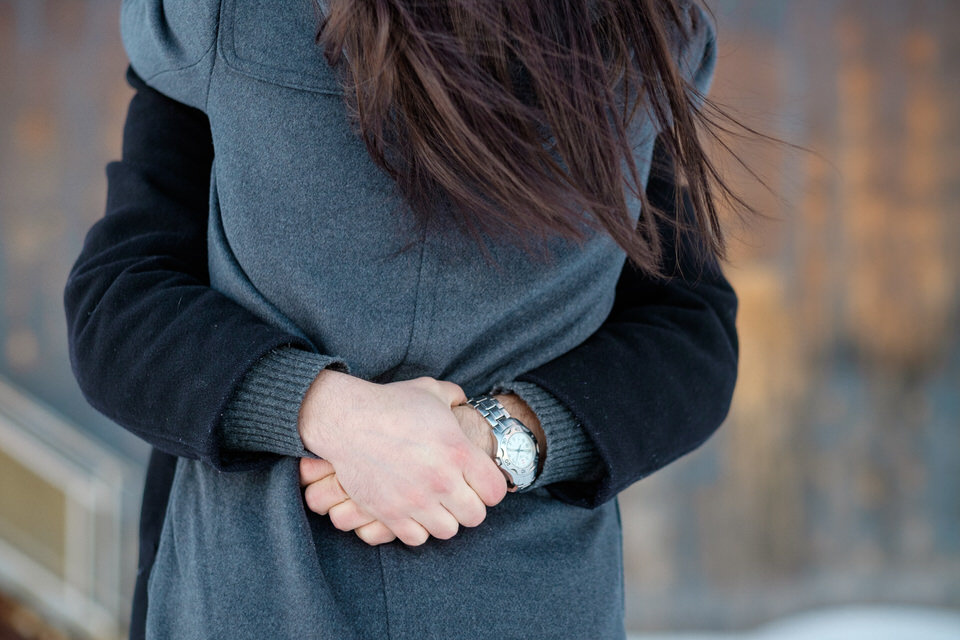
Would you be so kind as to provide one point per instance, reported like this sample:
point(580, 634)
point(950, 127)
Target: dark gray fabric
point(238, 561)
point(305, 231)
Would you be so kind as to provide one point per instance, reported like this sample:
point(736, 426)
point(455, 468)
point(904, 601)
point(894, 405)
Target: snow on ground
point(847, 623)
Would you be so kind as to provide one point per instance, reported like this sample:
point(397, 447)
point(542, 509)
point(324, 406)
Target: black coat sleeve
point(657, 378)
point(152, 345)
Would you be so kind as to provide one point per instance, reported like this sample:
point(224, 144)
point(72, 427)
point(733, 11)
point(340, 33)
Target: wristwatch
point(518, 453)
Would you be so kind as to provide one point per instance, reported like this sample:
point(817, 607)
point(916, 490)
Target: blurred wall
point(62, 103)
point(70, 479)
point(836, 477)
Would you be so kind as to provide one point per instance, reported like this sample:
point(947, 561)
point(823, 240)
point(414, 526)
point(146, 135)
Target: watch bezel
point(519, 476)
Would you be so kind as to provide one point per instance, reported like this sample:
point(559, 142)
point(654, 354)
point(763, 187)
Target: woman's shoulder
point(171, 44)
point(174, 44)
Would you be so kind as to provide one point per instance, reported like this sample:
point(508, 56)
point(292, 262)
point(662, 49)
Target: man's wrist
point(320, 407)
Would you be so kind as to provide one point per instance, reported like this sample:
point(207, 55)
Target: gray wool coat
point(304, 231)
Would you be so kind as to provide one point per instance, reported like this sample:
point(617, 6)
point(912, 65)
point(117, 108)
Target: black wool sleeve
point(657, 378)
point(152, 345)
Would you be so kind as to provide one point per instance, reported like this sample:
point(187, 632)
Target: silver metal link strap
point(490, 408)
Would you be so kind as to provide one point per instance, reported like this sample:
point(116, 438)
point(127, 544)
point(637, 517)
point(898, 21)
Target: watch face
point(520, 449)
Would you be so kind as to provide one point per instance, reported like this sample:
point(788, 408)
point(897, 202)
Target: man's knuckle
point(310, 497)
point(441, 482)
point(370, 537)
point(412, 534)
point(460, 454)
point(418, 500)
point(382, 533)
point(474, 518)
point(340, 518)
point(495, 489)
point(419, 538)
point(389, 514)
point(446, 531)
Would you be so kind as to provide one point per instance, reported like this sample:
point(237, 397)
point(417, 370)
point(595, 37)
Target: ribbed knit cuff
point(263, 413)
point(571, 454)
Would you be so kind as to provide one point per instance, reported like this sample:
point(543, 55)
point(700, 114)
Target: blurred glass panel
point(32, 514)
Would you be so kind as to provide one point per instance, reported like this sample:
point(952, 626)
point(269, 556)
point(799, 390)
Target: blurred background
point(833, 488)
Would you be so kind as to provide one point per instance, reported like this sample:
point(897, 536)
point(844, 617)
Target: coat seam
point(418, 302)
point(383, 591)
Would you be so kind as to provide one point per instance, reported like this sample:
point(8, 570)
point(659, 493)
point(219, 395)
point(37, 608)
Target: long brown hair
point(510, 111)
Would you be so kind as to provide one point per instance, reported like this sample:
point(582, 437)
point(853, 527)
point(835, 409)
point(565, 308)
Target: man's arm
point(152, 345)
point(657, 378)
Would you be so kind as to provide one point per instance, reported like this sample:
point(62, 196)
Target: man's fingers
point(486, 479)
point(312, 469)
point(453, 392)
point(375, 533)
point(324, 494)
point(438, 522)
point(347, 516)
point(466, 506)
point(410, 532)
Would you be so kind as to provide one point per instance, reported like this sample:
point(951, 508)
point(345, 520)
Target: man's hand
point(399, 453)
point(325, 495)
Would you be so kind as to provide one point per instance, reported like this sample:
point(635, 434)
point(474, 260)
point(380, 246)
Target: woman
point(314, 275)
